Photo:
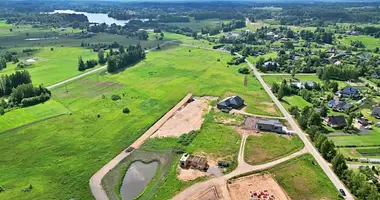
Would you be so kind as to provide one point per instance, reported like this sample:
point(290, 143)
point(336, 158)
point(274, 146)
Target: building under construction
point(193, 162)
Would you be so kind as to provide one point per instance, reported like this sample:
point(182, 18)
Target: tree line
point(124, 57)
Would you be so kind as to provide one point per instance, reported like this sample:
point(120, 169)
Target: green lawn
point(372, 139)
point(302, 178)
point(312, 77)
point(254, 59)
point(269, 147)
point(197, 25)
point(295, 100)
point(62, 153)
point(22, 116)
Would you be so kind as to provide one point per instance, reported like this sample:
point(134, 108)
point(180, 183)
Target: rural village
point(189, 100)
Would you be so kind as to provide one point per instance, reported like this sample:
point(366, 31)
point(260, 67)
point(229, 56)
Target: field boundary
point(31, 123)
point(96, 180)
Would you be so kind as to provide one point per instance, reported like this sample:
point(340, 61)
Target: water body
point(96, 17)
point(137, 178)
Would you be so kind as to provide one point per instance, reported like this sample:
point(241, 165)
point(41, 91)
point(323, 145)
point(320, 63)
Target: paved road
point(279, 74)
point(361, 164)
point(97, 69)
point(310, 148)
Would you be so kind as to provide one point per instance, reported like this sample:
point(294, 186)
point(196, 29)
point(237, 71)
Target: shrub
point(187, 138)
point(115, 97)
point(126, 110)
point(243, 70)
point(2, 111)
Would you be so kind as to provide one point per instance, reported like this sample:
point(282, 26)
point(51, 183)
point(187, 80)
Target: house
point(349, 92)
point(376, 112)
point(296, 84)
point(331, 50)
point(270, 64)
point(343, 106)
point(194, 162)
point(332, 103)
point(376, 74)
point(336, 121)
point(272, 125)
point(310, 84)
point(230, 103)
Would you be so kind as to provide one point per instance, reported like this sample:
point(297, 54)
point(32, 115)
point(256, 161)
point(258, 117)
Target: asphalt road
point(310, 148)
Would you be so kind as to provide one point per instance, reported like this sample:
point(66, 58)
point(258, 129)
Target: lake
point(96, 17)
point(138, 176)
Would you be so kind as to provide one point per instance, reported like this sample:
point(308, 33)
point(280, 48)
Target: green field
point(197, 25)
point(368, 41)
point(269, 79)
point(372, 139)
point(295, 100)
point(53, 66)
point(302, 178)
point(23, 116)
point(62, 153)
point(269, 147)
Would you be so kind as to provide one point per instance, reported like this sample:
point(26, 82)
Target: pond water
point(96, 17)
point(137, 178)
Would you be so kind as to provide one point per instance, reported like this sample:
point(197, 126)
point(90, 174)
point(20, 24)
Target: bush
point(243, 71)
point(126, 110)
point(187, 138)
point(115, 97)
point(2, 111)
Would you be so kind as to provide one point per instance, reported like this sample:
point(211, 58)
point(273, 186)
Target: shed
point(229, 103)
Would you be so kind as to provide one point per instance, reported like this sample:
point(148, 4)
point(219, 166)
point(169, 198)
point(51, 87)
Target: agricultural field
point(368, 41)
point(270, 79)
point(367, 152)
point(197, 25)
point(68, 149)
point(302, 178)
point(24, 116)
point(52, 66)
point(354, 140)
point(269, 146)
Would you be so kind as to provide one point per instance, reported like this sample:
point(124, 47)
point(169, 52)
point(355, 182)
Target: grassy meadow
point(53, 66)
point(62, 153)
point(368, 41)
point(302, 178)
point(270, 146)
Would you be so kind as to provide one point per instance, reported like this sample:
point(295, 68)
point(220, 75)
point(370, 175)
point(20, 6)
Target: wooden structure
point(194, 162)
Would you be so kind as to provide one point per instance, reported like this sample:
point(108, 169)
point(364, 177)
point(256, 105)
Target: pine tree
point(81, 65)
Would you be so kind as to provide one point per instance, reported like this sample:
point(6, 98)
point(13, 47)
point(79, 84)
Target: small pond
point(138, 176)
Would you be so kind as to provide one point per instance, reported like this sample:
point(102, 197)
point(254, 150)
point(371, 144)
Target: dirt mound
point(242, 188)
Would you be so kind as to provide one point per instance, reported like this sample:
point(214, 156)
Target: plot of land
point(24, 116)
point(302, 179)
point(270, 146)
point(71, 148)
point(188, 118)
point(241, 188)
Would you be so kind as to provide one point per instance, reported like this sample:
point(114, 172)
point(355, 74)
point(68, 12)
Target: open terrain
point(267, 147)
point(70, 148)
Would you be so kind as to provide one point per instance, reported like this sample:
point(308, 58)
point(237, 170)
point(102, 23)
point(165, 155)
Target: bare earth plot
point(186, 119)
point(241, 188)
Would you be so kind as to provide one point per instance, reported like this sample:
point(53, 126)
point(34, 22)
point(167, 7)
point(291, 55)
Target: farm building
point(229, 103)
point(335, 121)
point(195, 162)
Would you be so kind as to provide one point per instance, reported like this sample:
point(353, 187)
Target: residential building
point(272, 125)
point(336, 121)
point(376, 112)
point(230, 103)
point(349, 92)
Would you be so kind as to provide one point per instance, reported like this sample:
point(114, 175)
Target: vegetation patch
point(302, 178)
point(369, 151)
point(270, 146)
